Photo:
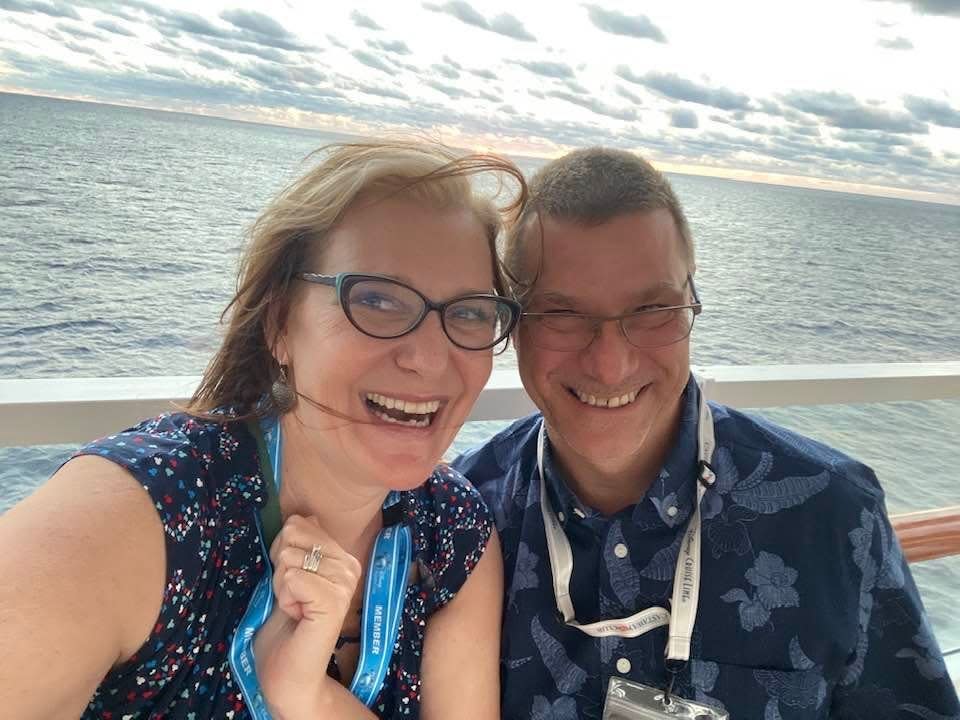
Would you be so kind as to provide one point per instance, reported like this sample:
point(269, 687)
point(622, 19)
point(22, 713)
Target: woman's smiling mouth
point(402, 412)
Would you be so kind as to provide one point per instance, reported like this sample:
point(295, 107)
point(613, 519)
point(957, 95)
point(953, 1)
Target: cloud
point(398, 47)
point(79, 48)
point(336, 42)
point(194, 25)
point(256, 22)
point(678, 88)
point(684, 118)
point(381, 91)
point(507, 24)
point(844, 111)
point(245, 27)
point(576, 87)
point(452, 63)
point(213, 60)
point(277, 76)
point(632, 97)
point(78, 30)
point(934, 7)
point(897, 43)
point(594, 105)
point(54, 8)
point(933, 111)
point(114, 27)
point(448, 72)
point(637, 26)
point(547, 68)
point(451, 91)
point(503, 24)
point(804, 130)
point(361, 20)
point(871, 137)
point(264, 53)
point(371, 60)
point(755, 128)
point(484, 73)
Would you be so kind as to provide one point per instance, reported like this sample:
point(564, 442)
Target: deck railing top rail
point(71, 410)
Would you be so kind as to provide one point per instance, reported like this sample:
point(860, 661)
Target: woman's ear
point(276, 337)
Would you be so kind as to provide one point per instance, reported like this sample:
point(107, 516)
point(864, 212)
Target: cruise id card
point(627, 700)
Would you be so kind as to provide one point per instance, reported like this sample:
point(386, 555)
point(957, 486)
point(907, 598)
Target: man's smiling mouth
point(610, 402)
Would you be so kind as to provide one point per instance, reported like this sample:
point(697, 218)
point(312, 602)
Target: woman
point(335, 392)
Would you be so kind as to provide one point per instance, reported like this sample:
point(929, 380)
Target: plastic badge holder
point(627, 700)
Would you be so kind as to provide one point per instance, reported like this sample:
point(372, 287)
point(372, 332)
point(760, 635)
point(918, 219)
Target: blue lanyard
point(382, 604)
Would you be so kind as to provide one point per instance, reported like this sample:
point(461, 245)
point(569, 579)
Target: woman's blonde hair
point(292, 232)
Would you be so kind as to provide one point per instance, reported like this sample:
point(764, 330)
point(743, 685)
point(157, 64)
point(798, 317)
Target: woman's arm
point(461, 651)
point(83, 570)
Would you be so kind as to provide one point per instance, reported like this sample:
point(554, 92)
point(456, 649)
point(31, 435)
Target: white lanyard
point(686, 579)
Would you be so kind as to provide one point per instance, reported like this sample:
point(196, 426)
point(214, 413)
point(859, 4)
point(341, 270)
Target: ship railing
point(72, 410)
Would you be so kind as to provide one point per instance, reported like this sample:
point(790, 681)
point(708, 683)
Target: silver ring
point(311, 561)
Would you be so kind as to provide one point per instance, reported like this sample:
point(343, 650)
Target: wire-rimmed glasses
point(648, 328)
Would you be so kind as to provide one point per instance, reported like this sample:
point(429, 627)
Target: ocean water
point(120, 230)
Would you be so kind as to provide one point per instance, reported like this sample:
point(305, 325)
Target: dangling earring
point(284, 397)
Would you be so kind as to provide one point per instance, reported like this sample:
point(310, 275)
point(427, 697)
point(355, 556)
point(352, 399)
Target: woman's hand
point(294, 646)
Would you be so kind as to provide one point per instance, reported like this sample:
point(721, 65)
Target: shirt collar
point(675, 486)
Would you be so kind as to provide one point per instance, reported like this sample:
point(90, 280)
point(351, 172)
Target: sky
point(853, 95)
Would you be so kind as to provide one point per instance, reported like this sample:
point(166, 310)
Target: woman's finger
point(303, 533)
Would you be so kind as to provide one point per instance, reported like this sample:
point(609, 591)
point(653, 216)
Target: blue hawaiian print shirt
point(807, 608)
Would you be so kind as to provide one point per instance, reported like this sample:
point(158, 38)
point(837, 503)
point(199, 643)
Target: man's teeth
point(609, 402)
point(424, 409)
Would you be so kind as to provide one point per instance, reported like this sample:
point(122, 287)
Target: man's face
point(630, 263)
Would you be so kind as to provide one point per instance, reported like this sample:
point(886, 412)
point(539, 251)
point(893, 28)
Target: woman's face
point(441, 253)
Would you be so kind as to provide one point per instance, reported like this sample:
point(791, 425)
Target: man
point(805, 606)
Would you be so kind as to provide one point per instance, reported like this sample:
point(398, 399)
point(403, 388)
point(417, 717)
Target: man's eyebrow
point(648, 293)
point(655, 291)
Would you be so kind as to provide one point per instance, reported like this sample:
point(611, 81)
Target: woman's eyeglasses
point(384, 308)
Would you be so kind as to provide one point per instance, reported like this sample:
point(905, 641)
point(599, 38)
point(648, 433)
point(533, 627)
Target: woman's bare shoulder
point(84, 570)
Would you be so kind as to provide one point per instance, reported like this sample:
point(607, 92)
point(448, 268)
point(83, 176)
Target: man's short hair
point(591, 187)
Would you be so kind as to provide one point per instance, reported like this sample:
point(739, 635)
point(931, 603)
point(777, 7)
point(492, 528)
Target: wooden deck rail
point(928, 534)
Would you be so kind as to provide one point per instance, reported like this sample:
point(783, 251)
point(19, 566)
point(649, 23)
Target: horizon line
point(692, 169)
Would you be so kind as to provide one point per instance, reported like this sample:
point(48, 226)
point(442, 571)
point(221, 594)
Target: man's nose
point(610, 358)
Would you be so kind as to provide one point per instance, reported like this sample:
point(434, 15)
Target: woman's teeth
point(402, 412)
point(609, 402)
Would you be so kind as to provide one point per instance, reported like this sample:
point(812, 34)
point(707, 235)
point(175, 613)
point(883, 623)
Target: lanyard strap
point(382, 602)
point(382, 610)
point(686, 580)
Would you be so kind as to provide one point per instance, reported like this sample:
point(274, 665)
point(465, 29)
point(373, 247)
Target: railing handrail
point(71, 410)
point(928, 534)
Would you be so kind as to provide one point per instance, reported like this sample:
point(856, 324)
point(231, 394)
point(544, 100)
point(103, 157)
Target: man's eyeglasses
point(385, 308)
point(647, 328)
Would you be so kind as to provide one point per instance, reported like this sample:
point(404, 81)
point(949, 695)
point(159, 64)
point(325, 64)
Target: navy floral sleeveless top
point(207, 484)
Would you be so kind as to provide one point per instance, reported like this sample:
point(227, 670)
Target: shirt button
point(672, 511)
point(620, 550)
point(623, 666)
point(561, 517)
